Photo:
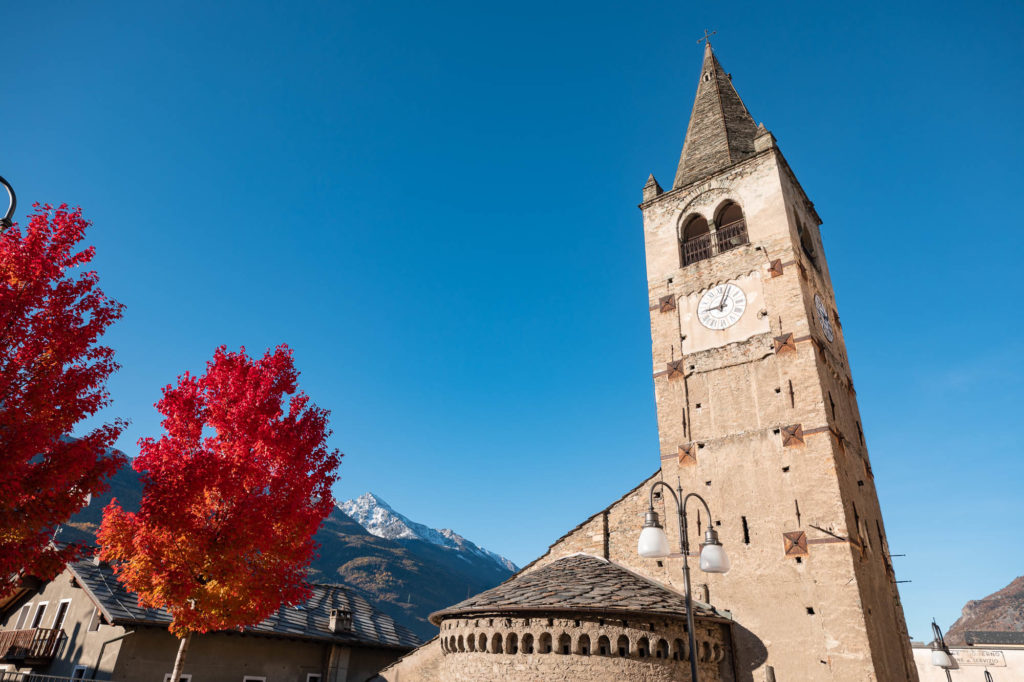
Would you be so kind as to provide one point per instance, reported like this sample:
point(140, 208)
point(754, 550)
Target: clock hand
point(721, 304)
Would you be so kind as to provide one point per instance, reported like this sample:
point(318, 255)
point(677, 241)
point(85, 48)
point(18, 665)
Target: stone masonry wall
point(588, 648)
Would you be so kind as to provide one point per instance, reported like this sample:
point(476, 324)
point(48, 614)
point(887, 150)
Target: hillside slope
point(1000, 611)
point(406, 577)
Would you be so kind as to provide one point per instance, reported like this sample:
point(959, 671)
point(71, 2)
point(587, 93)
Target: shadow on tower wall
point(749, 653)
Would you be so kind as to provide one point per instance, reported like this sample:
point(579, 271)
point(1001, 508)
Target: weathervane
point(706, 38)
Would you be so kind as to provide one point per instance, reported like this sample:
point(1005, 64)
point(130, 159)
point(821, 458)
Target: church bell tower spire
point(757, 408)
point(721, 130)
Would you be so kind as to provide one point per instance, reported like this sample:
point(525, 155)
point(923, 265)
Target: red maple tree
point(234, 492)
point(53, 374)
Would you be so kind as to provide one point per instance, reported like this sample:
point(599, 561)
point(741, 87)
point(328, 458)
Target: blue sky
point(434, 204)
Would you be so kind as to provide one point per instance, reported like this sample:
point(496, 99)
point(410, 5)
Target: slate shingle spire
point(721, 130)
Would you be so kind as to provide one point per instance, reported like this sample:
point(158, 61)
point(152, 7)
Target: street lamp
point(6, 221)
point(940, 652)
point(653, 544)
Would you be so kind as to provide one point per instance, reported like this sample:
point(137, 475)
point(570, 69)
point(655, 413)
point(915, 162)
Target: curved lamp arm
point(668, 488)
point(6, 221)
point(711, 525)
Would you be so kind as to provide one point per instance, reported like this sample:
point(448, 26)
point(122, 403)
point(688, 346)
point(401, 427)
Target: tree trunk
point(179, 662)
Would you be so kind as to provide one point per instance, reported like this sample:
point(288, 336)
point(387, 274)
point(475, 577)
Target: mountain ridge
point(379, 518)
point(1001, 611)
point(407, 578)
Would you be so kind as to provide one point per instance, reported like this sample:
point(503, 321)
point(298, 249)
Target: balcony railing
point(37, 645)
point(697, 249)
point(732, 235)
point(709, 244)
point(11, 676)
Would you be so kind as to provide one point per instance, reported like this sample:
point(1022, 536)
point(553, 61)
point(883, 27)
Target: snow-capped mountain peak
point(378, 518)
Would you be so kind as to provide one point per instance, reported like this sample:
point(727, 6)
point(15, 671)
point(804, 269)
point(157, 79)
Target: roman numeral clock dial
point(722, 306)
point(823, 318)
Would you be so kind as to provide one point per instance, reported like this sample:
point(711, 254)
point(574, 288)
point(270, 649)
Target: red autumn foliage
point(234, 492)
point(53, 374)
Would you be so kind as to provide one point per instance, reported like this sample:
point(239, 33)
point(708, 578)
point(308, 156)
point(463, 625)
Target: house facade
point(84, 624)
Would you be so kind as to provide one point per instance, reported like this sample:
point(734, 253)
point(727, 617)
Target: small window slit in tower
point(792, 394)
point(746, 531)
point(796, 504)
point(832, 404)
point(810, 610)
point(707, 483)
point(799, 560)
point(698, 406)
point(785, 470)
point(778, 389)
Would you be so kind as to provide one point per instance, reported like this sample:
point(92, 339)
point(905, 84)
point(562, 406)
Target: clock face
point(721, 306)
point(823, 318)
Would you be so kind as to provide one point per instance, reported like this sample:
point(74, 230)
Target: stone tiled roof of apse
point(578, 584)
point(309, 620)
point(721, 130)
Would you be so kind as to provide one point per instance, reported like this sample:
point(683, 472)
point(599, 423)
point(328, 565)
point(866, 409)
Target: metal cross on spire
point(707, 37)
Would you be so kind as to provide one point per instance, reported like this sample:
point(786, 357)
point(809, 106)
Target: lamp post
point(940, 652)
point(653, 544)
point(6, 221)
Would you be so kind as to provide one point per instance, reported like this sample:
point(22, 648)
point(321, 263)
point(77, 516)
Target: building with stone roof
point(600, 621)
point(85, 625)
point(757, 411)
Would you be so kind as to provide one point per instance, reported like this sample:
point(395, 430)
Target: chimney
point(341, 620)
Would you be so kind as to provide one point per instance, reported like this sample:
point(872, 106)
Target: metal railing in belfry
point(697, 249)
point(723, 239)
point(732, 235)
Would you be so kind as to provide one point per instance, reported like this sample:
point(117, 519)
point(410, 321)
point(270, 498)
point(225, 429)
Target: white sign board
point(992, 658)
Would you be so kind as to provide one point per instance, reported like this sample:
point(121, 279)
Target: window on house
point(95, 620)
point(249, 678)
point(62, 614)
point(38, 618)
point(185, 677)
point(313, 677)
point(80, 673)
point(23, 616)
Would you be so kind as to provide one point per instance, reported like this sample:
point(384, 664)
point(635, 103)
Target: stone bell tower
point(757, 409)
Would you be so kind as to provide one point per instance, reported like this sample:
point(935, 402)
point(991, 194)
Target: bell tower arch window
point(731, 228)
point(806, 242)
point(696, 243)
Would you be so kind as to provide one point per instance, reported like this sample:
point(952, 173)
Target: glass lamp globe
point(653, 543)
point(941, 659)
point(713, 559)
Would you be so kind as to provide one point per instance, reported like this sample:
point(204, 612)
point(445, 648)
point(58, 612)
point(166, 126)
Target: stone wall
point(587, 648)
